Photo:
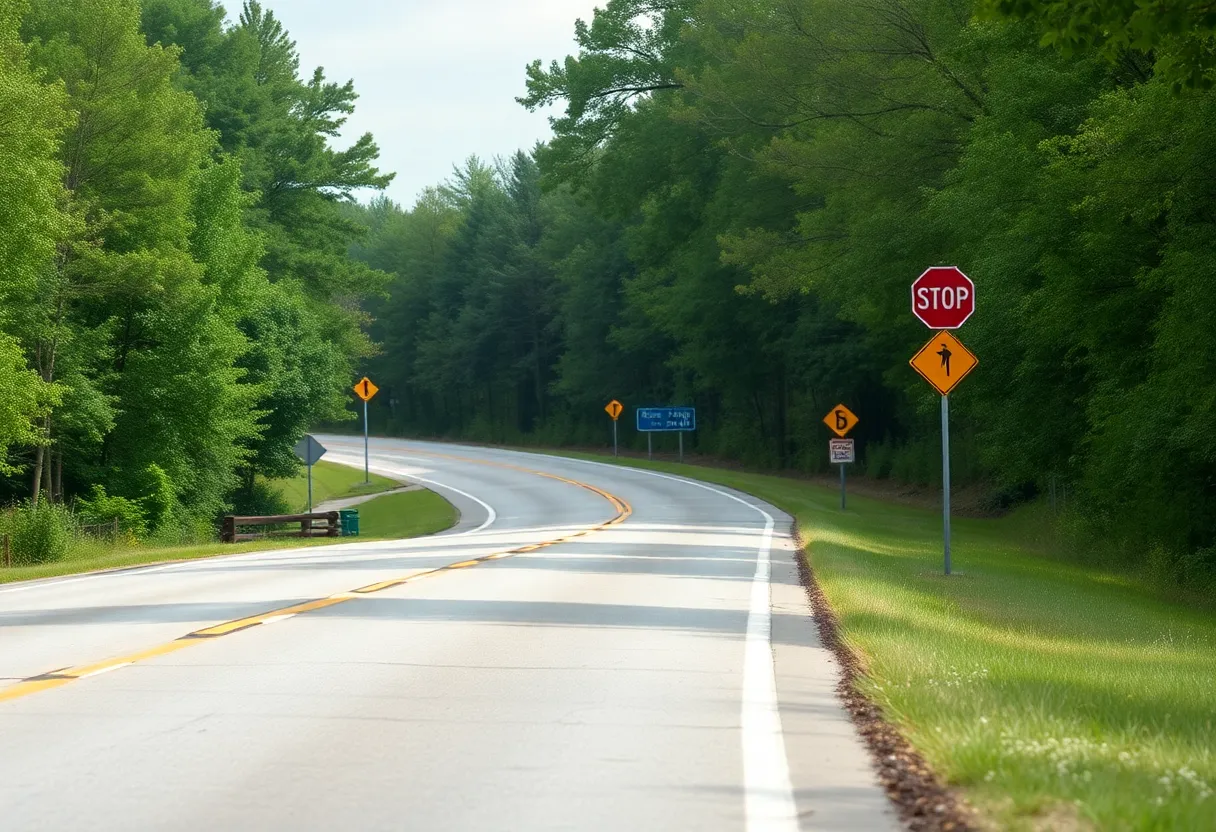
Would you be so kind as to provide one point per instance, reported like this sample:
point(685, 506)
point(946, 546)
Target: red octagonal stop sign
point(943, 298)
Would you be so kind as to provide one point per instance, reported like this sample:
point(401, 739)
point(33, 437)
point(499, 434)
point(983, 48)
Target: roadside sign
point(679, 420)
point(944, 362)
point(841, 420)
point(943, 297)
point(666, 419)
point(614, 409)
point(842, 451)
point(365, 389)
point(309, 450)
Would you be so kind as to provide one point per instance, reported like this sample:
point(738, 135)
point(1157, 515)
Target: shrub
point(263, 498)
point(41, 534)
point(160, 497)
point(101, 508)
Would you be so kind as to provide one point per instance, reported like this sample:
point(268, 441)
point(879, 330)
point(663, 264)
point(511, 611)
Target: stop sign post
point(943, 298)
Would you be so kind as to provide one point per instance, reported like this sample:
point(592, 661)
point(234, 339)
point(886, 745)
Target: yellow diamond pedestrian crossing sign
point(944, 362)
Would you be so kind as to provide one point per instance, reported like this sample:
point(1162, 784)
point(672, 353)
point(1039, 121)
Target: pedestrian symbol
point(945, 353)
point(944, 362)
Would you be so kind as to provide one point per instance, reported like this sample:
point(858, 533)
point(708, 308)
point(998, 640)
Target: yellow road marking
point(58, 678)
point(368, 590)
point(33, 686)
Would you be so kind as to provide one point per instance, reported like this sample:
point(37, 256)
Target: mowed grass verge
point(1056, 696)
point(390, 517)
point(406, 514)
point(330, 481)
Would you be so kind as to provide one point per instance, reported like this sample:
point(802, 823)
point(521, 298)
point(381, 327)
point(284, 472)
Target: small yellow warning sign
point(841, 420)
point(614, 409)
point(365, 389)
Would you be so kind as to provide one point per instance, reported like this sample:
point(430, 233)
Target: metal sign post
point(842, 452)
point(944, 362)
point(614, 410)
point(365, 390)
point(309, 450)
point(681, 435)
point(946, 476)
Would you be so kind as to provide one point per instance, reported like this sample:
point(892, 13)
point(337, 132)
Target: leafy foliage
point(1180, 33)
point(178, 250)
point(41, 533)
point(100, 508)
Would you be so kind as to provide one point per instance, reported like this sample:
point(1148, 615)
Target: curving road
point(592, 647)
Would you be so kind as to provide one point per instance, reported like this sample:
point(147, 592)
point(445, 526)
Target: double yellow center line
point(59, 678)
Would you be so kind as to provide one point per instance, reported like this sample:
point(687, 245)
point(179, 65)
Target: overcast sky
point(437, 79)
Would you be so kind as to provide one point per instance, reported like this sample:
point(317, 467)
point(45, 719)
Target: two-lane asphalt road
point(593, 647)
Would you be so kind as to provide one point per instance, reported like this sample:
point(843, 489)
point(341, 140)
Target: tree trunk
point(57, 491)
point(39, 453)
point(46, 473)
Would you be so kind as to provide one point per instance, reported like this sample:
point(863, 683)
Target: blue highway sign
point(657, 419)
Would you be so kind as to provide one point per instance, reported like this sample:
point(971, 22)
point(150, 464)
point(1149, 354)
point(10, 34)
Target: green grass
point(1057, 696)
point(330, 481)
point(393, 516)
point(408, 514)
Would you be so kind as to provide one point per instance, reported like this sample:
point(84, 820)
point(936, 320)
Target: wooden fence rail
point(331, 526)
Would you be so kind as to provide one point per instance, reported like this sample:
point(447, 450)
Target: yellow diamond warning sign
point(365, 389)
point(944, 362)
point(841, 420)
point(614, 409)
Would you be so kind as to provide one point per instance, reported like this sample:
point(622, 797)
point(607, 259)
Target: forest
point(729, 214)
point(737, 198)
point(179, 303)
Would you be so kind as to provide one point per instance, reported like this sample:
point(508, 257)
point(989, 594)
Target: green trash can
point(348, 518)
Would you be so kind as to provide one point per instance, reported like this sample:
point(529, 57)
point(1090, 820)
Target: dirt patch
point(924, 802)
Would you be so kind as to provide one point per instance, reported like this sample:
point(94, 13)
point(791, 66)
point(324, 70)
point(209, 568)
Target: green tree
point(31, 225)
point(306, 327)
point(1180, 35)
point(129, 322)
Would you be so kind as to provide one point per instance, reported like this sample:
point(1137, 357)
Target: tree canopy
point(180, 301)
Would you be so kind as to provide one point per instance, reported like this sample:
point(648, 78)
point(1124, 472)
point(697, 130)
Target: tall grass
point(39, 534)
